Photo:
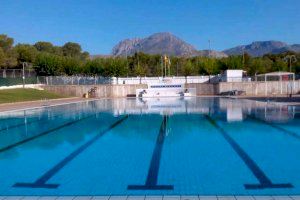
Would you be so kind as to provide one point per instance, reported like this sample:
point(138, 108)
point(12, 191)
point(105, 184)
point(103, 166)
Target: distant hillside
point(261, 48)
point(158, 43)
point(167, 43)
point(294, 48)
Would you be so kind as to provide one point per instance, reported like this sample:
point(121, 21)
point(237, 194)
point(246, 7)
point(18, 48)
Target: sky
point(98, 25)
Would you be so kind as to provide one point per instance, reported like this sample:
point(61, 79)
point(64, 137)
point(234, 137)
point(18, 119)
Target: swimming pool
point(195, 146)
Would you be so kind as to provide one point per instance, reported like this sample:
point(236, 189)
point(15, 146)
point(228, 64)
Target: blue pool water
point(195, 146)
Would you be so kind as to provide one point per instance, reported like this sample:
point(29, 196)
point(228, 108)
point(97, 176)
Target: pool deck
point(149, 197)
point(39, 104)
point(280, 100)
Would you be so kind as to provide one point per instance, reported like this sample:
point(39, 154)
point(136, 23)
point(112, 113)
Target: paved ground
point(293, 99)
point(150, 198)
point(34, 104)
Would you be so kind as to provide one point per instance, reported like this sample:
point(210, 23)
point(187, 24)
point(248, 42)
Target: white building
point(233, 75)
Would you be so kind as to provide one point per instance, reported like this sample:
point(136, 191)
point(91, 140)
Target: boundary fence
point(16, 73)
point(14, 77)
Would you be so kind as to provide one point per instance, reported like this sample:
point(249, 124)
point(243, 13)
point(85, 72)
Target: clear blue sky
point(98, 25)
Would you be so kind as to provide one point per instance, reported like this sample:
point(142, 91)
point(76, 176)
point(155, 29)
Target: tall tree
point(2, 57)
point(44, 46)
point(48, 64)
point(26, 53)
point(188, 68)
point(71, 49)
point(71, 66)
point(11, 59)
point(6, 43)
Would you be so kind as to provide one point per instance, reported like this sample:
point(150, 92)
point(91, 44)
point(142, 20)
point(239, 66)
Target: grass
point(20, 95)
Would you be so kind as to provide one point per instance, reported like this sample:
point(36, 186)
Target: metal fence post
point(23, 74)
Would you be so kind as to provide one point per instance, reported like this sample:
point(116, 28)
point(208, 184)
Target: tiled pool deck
point(39, 104)
point(150, 197)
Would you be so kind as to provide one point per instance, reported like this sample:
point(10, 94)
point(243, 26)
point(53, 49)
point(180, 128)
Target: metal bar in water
point(151, 181)
point(42, 181)
point(264, 181)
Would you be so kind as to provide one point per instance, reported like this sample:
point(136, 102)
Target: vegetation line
point(48, 60)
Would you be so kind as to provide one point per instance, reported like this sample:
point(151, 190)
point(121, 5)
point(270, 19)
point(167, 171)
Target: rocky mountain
point(158, 43)
point(167, 43)
point(294, 47)
point(261, 48)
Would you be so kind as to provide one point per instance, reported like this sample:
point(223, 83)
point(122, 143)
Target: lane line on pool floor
point(43, 134)
point(151, 181)
point(264, 181)
point(42, 181)
point(287, 132)
point(35, 121)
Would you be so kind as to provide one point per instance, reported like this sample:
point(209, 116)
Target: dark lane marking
point(42, 181)
point(33, 121)
point(264, 181)
point(151, 182)
point(42, 134)
point(287, 132)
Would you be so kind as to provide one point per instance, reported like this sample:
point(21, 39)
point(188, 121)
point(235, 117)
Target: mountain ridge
point(167, 43)
point(158, 43)
point(260, 48)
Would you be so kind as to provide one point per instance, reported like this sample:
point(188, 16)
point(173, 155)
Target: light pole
point(290, 59)
point(23, 74)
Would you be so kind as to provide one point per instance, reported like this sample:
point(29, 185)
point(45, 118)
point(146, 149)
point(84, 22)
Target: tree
point(6, 43)
point(120, 67)
point(187, 69)
point(279, 65)
point(26, 53)
point(94, 67)
point(71, 49)
point(85, 55)
point(48, 64)
point(139, 71)
point(57, 50)
point(259, 65)
point(44, 46)
point(235, 62)
point(70, 66)
point(210, 66)
point(2, 57)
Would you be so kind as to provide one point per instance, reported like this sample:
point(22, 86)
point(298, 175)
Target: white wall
point(154, 80)
point(233, 76)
